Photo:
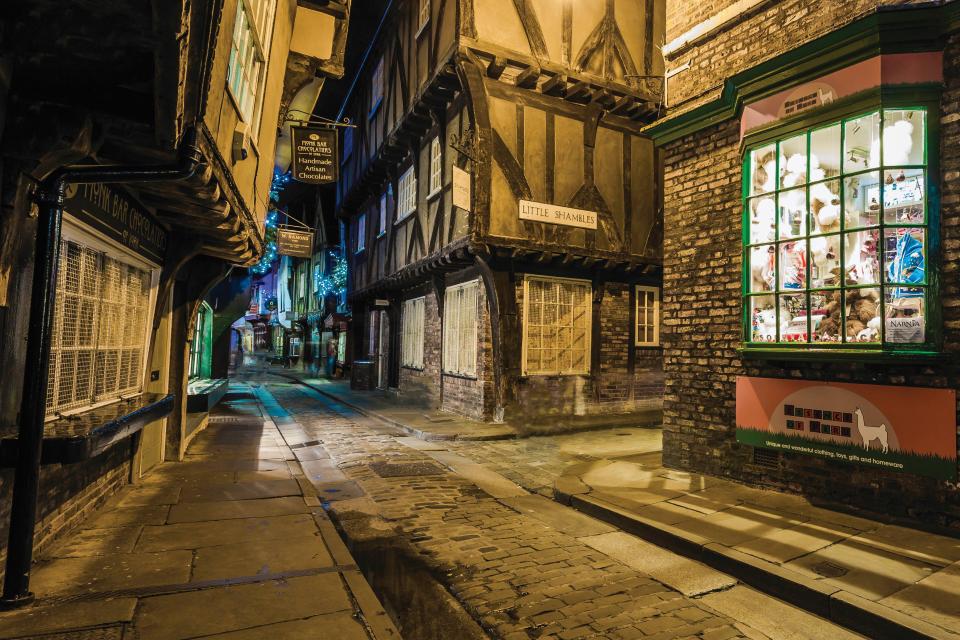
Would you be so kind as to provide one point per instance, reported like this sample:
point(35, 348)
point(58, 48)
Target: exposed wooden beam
point(527, 79)
point(555, 85)
point(496, 67)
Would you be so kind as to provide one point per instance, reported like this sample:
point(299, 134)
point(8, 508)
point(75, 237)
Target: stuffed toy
point(764, 220)
point(897, 144)
point(795, 171)
point(872, 331)
point(825, 206)
point(764, 325)
point(823, 257)
point(763, 271)
point(765, 174)
point(863, 263)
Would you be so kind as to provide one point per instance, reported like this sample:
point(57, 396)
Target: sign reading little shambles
point(555, 214)
point(314, 155)
point(899, 428)
point(118, 216)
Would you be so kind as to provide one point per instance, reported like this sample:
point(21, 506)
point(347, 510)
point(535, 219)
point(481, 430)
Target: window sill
point(919, 355)
point(434, 194)
point(528, 376)
point(422, 28)
point(359, 251)
point(648, 346)
point(404, 218)
point(413, 368)
point(462, 376)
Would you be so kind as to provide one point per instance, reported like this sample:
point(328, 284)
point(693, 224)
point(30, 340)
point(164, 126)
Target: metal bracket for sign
point(318, 120)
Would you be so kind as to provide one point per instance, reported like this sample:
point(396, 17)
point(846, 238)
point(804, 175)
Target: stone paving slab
point(108, 573)
point(339, 626)
point(194, 535)
point(66, 617)
point(232, 509)
point(260, 557)
point(244, 491)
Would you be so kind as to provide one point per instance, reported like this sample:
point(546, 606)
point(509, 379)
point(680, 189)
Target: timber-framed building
point(501, 208)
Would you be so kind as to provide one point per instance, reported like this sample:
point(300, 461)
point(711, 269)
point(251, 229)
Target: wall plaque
point(294, 242)
point(555, 214)
point(112, 212)
point(461, 189)
point(314, 155)
point(898, 428)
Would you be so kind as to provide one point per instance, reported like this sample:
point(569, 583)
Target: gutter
point(49, 198)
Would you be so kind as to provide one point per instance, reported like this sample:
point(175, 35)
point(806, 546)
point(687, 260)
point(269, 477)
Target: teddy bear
point(897, 144)
point(823, 255)
point(764, 220)
point(765, 173)
point(825, 207)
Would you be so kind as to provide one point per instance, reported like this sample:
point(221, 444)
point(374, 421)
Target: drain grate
point(766, 458)
point(829, 570)
point(400, 470)
point(113, 632)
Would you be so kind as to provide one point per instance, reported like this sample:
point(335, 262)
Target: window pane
point(763, 169)
point(793, 317)
point(825, 315)
point(904, 256)
point(862, 200)
point(862, 257)
point(862, 312)
point(825, 261)
point(793, 213)
point(861, 147)
point(903, 137)
point(762, 268)
point(903, 196)
point(904, 311)
point(793, 265)
point(825, 153)
point(793, 158)
point(763, 319)
point(825, 207)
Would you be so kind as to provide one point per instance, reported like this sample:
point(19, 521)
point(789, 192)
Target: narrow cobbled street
point(518, 565)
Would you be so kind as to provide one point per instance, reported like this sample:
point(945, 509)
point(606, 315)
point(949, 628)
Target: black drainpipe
point(49, 198)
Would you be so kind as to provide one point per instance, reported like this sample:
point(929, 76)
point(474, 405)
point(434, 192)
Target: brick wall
point(772, 29)
point(69, 494)
point(612, 390)
point(423, 385)
point(702, 322)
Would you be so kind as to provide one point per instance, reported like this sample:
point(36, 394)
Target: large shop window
point(836, 231)
point(556, 326)
point(460, 329)
point(648, 317)
point(100, 329)
point(246, 70)
point(412, 338)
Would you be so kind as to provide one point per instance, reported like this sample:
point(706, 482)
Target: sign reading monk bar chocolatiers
point(112, 212)
point(314, 155)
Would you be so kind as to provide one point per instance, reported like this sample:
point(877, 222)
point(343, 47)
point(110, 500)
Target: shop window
point(436, 166)
point(361, 232)
point(100, 329)
point(408, 194)
point(460, 329)
point(198, 343)
point(376, 88)
point(556, 326)
point(246, 70)
point(836, 228)
point(412, 337)
point(648, 316)
point(342, 347)
point(295, 346)
point(424, 15)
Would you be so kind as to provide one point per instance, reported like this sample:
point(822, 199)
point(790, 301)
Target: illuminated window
point(436, 166)
point(249, 52)
point(412, 337)
point(556, 326)
point(460, 329)
point(648, 316)
point(408, 194)
point(836, 233)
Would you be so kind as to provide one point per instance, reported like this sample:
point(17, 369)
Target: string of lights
point(277, 185)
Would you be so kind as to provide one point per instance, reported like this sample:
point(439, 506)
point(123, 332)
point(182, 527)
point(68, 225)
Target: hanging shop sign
point(297, 243)
point(555, 214)
point(461, 189)
point(314, 155)
point(907, 429)
point(118, 216)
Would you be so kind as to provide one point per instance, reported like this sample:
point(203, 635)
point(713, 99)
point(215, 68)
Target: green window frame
point(852, 275)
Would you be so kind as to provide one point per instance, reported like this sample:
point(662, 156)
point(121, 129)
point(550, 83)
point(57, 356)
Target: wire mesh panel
point(556, 326)
point(99, 329)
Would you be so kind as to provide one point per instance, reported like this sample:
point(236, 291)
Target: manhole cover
point(395, 470)
point(829, 570)
point(100, 633)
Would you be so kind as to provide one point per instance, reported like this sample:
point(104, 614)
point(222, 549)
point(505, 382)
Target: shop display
point(835, 220)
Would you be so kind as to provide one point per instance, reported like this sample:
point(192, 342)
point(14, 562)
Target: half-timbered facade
point(501, 207)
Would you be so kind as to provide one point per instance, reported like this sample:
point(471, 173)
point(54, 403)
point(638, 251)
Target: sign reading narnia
point(314, 155)
point(118, 216)
point(555, 214)
point(294, 242)
point(906, 429)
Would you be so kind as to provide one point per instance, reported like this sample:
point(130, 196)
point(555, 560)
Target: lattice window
point(249, 50)
point(436, 166)
point(424, 15)
point(648, 316)
point(556, 326)
point(99, 335)
point(383, 215)
point(412, 337)
point(408, 194)
point(361, 232)
point(460, 329)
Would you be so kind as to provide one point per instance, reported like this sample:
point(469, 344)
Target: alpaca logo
point(868, 433)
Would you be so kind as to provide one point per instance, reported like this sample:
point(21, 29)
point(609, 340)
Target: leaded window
point(100, 329)
point(436, 166)
point(460, 329)
point(648, 316)
point(836, 230)
point(249, 52)
point(361, 232)
point(412, 337)
point(556, 326)
point(408, 194)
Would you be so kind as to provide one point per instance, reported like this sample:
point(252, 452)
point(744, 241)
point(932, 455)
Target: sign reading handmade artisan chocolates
point(555, 214)
point(314, 155)
point(294, 242)
point(118, 216)
point(898, 428)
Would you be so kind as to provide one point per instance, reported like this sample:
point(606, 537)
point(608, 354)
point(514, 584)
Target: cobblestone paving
point(520, 578)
